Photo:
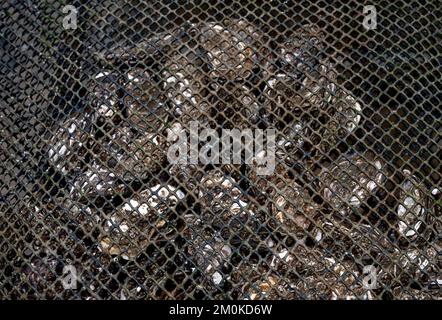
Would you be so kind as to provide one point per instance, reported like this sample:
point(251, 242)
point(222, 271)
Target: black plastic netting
point(92, 207)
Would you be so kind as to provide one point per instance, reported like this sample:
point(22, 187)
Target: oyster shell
point(130, 155)
point(414, 208)
point(231, 48)
point(236, 106)
point(68, 145)
point(211, 256)
point(313, 110)
point(220, 223)
point(345, 115)
point(145, 105)
point(268, 287)
point(301, 272)
point(302, 50)
point(223, 203)
point(350, 181)
point(184, 83)
point(105, 99)
point(147, 217)
point(95, 179)
point(291, 205)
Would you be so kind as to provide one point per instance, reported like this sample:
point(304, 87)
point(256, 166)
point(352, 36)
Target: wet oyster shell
point(345, 116)
point(105, 86)
point(221, 195)
point(350, 181)
point(130, 154)
point(237, 106)
point(184, 84)
point(291, 205)
point(95, 179)
point(302, 51)
point(410, 273)
point(221, 222)
point(145, 105)
point(414, 210)
point(231, 48)
point(222, 206)
point(68, 145)
point(301, 272)
point(187, 175)
point(211, 256)
point(268, 287)
point(145, 218)
point(313, 110)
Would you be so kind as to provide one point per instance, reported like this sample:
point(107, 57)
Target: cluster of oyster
point(307, 232)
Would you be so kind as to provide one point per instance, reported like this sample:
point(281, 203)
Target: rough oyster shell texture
point(350, 181)
point(143, 101)
point(236, 105)
point(415, 209)
point(303, 100)
point(145, 218)
point(291, 205)
point(131, 155)
point(184, 84)
point(68, 145)
point(231, 48)
point(223, 205)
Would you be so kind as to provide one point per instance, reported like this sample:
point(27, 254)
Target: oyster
point(105, 98)
point(220, 223)
point(68, 145)
point(268, 287)
point(145, 105)
point(188, 175)
point(211, 256)
point(184, 83)
point(313, 110)
point(236, 106)
point(345, 115)
point(231, 49)
point(129, 154)
point(414, 208)
point(291, 205)
point(302, 51)
point(349, 182)
point(146, 218)
point(411, 272)
point(224, 205)
point(95, 179)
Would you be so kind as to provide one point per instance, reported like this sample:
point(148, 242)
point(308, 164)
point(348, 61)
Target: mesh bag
point(94, 94)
